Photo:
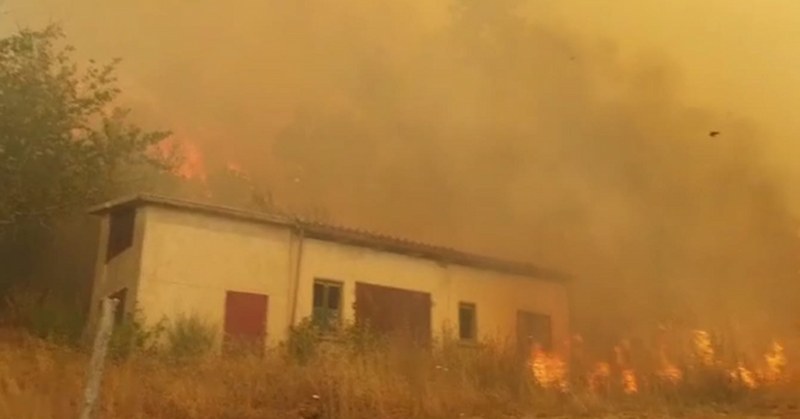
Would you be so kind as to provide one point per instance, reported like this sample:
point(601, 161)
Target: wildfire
point(629, 382)
point(743, 376)
point(599, 377)
point(191, 163)
point(703, 349)
point(549, 370)
point(670, 373)
point(619, 374)
point(776, 362)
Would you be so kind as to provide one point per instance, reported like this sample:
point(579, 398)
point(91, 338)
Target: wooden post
point(95, 373)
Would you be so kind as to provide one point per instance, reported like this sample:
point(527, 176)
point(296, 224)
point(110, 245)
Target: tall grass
point(350, 374)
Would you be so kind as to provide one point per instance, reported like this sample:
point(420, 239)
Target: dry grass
point(43, 380)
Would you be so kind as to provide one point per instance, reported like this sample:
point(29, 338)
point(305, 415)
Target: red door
point(245, 321)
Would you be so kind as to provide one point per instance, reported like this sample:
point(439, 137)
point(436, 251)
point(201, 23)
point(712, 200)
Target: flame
point(549, 370)
point(703, 349)
point(192, 162)
point(776, 362)
point(599, 377)
point(629, 382)
point(743, 376)
point(670, 373)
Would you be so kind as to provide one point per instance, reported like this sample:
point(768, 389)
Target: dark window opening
point(467, 322)
point(120, 234)
point(327, 311)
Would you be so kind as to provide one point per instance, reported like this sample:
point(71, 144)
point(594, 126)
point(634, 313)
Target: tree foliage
point(63, 143)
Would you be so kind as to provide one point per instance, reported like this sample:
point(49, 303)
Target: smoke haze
point(504, 127)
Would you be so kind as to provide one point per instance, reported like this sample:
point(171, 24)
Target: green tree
point(62, 142)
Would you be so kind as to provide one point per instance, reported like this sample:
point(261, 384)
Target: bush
point(45, 317)
point(303, 341)
point(133, 336)
point(190, 337)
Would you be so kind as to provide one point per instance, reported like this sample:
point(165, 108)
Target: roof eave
point(344, 235)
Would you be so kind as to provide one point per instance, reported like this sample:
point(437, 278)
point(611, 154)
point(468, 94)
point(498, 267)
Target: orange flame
point(599, 377)
point(629, 383)
point(703, 349)
point(191, 160)
point(743, 376)
point(776, 363)
point(670, 373)
point(549, 371)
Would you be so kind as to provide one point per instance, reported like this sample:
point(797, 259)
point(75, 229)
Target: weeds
point(132, 336)
point(189, 337)
point(346, 373)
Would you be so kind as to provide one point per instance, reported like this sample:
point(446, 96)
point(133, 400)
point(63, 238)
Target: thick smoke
point(472, 125)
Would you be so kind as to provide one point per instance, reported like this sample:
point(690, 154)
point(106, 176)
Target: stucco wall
point(190, 260)
point(350, 264)
point(186, 261)
point(497, 296)
point(120, 272)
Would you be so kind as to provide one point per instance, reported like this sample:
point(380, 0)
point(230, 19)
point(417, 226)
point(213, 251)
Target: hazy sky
point(740, 56)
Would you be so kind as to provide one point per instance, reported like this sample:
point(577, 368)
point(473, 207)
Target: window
point(467, 324)
point(327, 303)
point(120, 234)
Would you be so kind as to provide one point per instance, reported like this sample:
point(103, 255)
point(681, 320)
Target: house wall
point(497, 296)
point(185, 262)
point(351, 264)
point(190, 260)
point(120, 272)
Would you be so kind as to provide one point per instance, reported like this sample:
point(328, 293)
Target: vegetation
point(190, 337)
point(64, 145)
point(385, 379)
point(58, 119)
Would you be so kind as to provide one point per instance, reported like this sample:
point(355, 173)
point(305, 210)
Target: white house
point(254, 275)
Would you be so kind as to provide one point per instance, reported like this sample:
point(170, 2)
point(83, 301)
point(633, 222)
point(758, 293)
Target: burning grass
point(354, 377)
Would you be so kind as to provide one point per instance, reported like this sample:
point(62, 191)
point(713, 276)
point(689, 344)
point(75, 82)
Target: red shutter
point(245, 321)
point(388, 310)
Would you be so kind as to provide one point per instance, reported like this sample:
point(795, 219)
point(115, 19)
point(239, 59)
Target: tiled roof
point(342, 234)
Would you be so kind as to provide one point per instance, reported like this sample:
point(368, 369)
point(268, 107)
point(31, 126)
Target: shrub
point(45, 317)
point(304, 338)
point(132, 336)
point(189, 337)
